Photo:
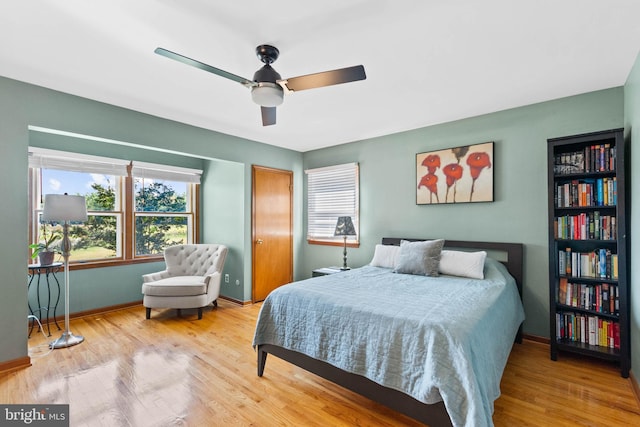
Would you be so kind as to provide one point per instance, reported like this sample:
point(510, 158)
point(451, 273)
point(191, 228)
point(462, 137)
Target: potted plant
point(44, 250)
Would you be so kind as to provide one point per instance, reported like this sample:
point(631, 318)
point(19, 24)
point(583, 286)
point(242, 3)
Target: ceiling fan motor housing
point(266, 74)
point(267, 93)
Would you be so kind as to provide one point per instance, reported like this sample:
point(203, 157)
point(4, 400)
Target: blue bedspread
point(433, 338)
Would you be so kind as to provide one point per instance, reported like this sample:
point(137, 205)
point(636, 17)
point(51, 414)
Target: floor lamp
point(65, 209)
point(344, 227)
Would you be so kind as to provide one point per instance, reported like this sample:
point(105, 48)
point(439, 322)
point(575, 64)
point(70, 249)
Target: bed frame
point(434, 414)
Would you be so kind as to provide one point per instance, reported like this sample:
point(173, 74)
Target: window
point(163, 202)
point(332, 192)
point(98, 237)
point(134, 209)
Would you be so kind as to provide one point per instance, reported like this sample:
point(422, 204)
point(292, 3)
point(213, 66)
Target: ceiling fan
point(267, 85)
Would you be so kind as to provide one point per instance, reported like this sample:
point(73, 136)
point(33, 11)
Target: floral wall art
point(455, 175)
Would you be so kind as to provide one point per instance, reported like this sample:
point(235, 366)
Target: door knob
point(259, 241)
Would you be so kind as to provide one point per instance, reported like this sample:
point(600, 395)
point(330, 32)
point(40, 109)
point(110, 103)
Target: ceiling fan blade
point(268, 116)
point(186, 60)
point(326, 78)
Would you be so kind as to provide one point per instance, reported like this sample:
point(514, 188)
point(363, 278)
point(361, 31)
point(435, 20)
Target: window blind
point(43, 158)
point(332, 191)
point(169, 173)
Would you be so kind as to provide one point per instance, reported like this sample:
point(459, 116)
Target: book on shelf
point(593, 158)
point(597, 297)
point(593, 328)
point(563, 290)
point(588, 329)
point(586, 192)
point(604, 303)
point(586, 226)
point(602, 265)
point(595, 264)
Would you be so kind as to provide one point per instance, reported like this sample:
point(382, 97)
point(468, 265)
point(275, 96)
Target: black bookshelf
point(588, 247)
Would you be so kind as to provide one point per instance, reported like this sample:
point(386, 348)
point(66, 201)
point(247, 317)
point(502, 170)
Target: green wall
point(222, 197)
point(227, 159)
point(519, 212)
point(632, 130)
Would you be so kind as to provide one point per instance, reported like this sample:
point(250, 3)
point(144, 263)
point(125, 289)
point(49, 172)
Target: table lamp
point(344, 227)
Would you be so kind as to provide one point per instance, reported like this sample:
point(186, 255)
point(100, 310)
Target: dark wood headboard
point(514, 253)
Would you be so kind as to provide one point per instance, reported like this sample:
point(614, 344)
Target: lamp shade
point(62, 207)
point(267, 94)
point(344, 227)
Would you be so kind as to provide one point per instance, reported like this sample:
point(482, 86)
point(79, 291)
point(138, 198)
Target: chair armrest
point(213, 284)
point(152, 277)
point(216, 276)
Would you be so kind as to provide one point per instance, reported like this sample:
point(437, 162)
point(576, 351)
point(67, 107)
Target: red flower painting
point(432, 163)
point(456, 173)
point(431, 182)
point(477, 162)
point(453, 172)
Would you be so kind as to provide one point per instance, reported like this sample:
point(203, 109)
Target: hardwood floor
point(181, 371)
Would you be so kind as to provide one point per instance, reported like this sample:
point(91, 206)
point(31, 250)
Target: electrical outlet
point(226, 278)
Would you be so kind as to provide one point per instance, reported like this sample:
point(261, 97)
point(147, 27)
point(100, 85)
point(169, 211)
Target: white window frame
point(332, 191)
point(152, 171)
point(43, 158)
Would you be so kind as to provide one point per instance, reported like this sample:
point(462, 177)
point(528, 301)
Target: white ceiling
point(427, 61)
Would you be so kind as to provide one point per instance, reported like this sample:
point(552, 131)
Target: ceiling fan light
point(267, 94)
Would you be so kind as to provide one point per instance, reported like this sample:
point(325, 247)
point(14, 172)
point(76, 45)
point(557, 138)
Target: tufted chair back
point(195, 260)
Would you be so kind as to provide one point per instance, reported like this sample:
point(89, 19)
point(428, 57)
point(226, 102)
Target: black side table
point(46, 271)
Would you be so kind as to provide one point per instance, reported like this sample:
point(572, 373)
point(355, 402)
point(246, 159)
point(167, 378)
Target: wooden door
point(272, 230)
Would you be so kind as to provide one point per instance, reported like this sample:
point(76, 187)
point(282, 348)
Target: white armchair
point(191, 279)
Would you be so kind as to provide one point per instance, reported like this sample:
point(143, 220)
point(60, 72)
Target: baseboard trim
point(536, 338)
point(102, 310)
point(93, 312)
point(15, 364)
point(235, 301)
point(635, 386)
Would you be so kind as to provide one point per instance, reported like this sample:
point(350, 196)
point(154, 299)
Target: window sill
point(333, 243)
point(114, 263)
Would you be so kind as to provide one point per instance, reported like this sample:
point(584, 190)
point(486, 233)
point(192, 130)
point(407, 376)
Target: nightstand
point(325, 271)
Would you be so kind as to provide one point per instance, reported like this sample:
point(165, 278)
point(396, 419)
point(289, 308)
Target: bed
point(433, 348)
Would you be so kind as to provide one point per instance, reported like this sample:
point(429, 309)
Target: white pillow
point(385, 256)
point(463, 264)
